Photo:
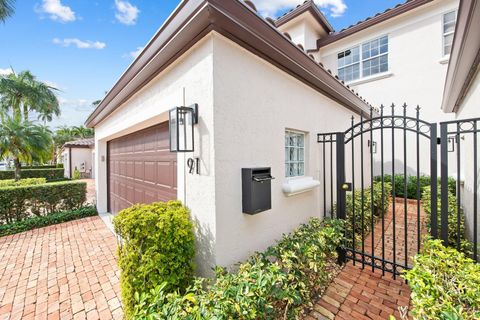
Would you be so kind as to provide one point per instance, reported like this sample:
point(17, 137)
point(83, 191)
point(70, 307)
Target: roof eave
point(370, 22)
point(465, 56)
point(192, 20)
point(307, 6)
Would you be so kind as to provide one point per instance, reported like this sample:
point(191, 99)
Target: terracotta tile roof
point(88, 142)
point(373, 20)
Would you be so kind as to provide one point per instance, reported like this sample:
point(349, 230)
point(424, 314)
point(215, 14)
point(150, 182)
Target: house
point(79, 154)
point(253, 94)
point(255, 90)
point(462, 96)
point(395, 57)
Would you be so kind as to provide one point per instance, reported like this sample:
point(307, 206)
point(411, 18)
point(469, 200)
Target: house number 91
point(193, 165)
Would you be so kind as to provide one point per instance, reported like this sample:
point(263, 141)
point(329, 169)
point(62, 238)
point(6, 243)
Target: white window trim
point(445, 34)
point(360, 62)
point(304, 154)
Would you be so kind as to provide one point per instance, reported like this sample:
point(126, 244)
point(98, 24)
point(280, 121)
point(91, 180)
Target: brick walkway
point(65, 271)
point(358, 293)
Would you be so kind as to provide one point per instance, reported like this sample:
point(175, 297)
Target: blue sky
point(83, 46)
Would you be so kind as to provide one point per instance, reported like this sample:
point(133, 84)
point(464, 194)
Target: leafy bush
point(369, 210)
point(59, 165)
point(46, 166)
point(19, 202)
point(412, 184)
point(43, 221)
point(51, 174)
point(22, 182)
point(465, 245)
point(444, 283)
point(275, 284)
point(157, 246)
point(76, 174)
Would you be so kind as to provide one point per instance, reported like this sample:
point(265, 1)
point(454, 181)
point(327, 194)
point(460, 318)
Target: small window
point(294, 153)
point(449, 21)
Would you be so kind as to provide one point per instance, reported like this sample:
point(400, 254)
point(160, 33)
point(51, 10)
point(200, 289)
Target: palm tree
point(24, 142)
point(6, 9)
point(82, 132)
point(21, 93)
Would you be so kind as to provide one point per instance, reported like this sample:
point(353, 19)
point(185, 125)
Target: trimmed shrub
point(19, 202)
point(444, 283)
point(43, 221)
point(47, 166)
point(157, 246)
point(22, 182)
point(275, 284)
point(76, 174)
point(412, 184)
point(453, 232)
point(369, 210)
point(51, 174)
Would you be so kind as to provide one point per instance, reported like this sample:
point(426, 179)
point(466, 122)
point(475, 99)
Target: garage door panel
point(141, 168)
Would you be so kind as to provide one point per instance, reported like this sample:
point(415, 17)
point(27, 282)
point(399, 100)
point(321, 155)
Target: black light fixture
point(181, 124)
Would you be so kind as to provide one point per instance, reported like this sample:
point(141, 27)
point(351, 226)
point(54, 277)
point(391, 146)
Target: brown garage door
point(141, 168)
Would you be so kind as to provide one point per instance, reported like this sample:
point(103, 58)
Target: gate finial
point(393, 109)
point(404, 109)
point(381, 109)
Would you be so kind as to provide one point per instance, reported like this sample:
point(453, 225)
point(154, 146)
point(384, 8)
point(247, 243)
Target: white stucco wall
point(254, 102)
point(416, 75)
point(304, 30)
point(79, 155)
point(194, 73)
point(470, 109)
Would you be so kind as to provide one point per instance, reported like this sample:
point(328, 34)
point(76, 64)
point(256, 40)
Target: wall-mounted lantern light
point(181, 124)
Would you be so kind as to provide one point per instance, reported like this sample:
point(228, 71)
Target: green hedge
point(51, 174)
point(275, 284)
point(43, 221)
point(412, 184)
point(367, 210)
point(157, 246)
point(22, 182)
point(20, 202)
point(47, 166)
point(444, 283)
point(465, 245)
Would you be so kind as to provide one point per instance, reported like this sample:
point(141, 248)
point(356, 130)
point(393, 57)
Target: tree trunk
point(16, 161)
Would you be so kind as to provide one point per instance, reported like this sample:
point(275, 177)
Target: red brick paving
point(358, 293)
point(65, 271)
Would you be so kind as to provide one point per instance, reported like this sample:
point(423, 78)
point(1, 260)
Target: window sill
point(299, 185)
point(370, 78)
point(444, 60)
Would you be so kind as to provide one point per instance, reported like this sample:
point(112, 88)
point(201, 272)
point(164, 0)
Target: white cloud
point(270, 8)
point(57, 11)
point(5, 72)
point(136, 53)
point(81, 44)
point(126, 12)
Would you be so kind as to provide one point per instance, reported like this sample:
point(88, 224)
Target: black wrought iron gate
point(375, 175)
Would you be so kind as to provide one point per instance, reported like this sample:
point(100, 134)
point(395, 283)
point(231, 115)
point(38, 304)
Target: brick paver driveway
point(65, 271)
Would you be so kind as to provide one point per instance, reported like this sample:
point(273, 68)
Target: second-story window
point(449, 21)
point(354, 63)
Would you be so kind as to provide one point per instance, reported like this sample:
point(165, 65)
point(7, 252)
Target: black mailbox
point(256, 190)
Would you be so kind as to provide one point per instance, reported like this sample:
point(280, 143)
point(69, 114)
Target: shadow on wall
point(204, 256)
point(388, 166)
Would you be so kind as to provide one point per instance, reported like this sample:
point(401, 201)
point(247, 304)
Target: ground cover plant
point(50, 219)
point(445, 284)
point(275, 284)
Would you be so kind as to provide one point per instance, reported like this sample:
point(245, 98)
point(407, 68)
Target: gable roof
point(239, 22)
point(390, 13)
point(307, 6)
point(465, 56)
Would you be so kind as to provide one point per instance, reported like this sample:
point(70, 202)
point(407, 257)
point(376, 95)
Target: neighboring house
point(397, 56)
point(256, 91)
point(462, 96)
point(79, 154)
